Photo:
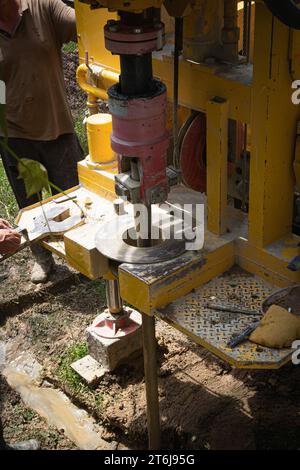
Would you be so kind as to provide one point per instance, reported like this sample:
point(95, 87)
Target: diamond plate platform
point(213, 329)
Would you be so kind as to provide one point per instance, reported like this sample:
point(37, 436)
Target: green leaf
point(34, 174)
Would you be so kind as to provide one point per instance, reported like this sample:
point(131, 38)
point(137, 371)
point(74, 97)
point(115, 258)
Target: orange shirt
point(31, 67)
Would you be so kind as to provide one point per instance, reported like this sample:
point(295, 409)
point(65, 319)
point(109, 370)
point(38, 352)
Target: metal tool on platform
point(232, 309)
point(239, 338)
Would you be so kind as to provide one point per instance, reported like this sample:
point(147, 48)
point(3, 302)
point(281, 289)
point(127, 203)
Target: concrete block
point(89, 369)
point(111, 352)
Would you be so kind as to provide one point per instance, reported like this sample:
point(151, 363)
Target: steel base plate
point(115, 247)
point(213, 329)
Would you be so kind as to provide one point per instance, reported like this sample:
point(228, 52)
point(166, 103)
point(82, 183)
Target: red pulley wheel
point(192, 141)
point(193, 152)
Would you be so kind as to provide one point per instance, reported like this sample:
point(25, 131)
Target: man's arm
point(64, 21)
point(9, 239)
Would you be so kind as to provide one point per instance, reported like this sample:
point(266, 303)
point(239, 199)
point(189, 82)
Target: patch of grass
point(76, 386)
point(70, 47)
point(66, 374)
point(81, 132)
point(8, 204)
point(29, 415)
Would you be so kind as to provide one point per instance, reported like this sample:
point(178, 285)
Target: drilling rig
point(200, 113)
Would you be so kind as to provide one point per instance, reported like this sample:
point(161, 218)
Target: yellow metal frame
point(264, 104)
point(152, 291)
point(217, 151)
point(273, 126)
point(97, 181)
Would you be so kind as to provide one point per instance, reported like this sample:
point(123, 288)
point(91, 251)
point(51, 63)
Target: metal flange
point(124, 39)
point(111, 242)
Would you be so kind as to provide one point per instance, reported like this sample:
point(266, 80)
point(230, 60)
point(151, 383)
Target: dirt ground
point(205, 404)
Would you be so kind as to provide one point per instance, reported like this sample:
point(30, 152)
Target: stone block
point(111, 352)
point(89, 369)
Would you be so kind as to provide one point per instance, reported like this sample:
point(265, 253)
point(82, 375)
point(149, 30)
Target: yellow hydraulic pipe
point(107, 78)
point(92, 104)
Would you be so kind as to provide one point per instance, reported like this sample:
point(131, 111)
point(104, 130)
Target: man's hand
point(9, 241)
point(4, 224)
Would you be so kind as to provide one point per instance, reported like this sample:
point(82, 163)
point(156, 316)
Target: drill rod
point(113, 297)
point(143, 220)
point(151, 382)
point(149, 339)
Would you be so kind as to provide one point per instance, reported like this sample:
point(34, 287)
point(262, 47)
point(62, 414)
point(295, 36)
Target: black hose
point(70, 3)
point(286, 11)
point(177, 51)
